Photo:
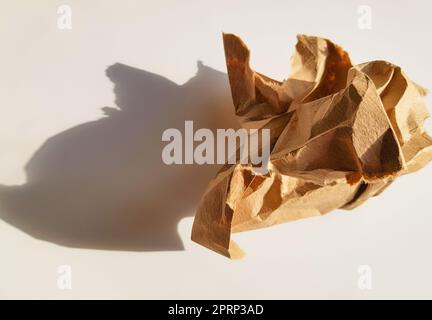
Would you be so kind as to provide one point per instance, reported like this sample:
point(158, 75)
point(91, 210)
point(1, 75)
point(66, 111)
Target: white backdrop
point(54, 79)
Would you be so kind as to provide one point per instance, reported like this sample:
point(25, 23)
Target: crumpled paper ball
point(339, 135)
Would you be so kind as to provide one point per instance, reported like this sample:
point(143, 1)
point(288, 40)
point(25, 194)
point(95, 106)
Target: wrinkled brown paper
point(340, 134)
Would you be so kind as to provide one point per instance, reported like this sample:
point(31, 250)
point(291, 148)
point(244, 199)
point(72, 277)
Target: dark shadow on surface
point(103, 185)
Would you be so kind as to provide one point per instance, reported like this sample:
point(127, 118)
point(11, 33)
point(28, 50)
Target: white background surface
point(52, 80)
